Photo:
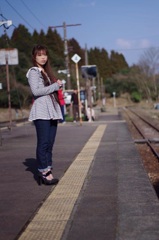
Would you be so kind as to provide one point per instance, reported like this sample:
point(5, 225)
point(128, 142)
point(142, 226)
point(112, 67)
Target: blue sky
point(129, 27)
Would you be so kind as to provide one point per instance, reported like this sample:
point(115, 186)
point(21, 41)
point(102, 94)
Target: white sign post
point(114, 99)
point(9, 57)
point(76, 59)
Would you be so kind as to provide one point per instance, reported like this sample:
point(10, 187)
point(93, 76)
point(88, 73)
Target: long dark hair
point(47, 67)
point(42, 49)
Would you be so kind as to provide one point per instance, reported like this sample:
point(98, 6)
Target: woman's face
point(41, 58)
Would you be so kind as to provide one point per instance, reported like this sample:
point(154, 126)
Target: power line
point(19, 15)
point(32, 13)
point(4, 18)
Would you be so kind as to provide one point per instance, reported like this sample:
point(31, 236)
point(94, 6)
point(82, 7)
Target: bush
point(3, 99)
point(136, 97)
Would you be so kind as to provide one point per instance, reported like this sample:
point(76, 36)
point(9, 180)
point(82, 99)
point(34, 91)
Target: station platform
point(104, 192)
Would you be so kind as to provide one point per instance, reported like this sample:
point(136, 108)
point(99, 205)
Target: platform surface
point(104, 192)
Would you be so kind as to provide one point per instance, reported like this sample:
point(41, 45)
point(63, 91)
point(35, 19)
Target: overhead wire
point(32, 13)
point(13, 72)
point(20, 15)
point(29, 10)
point(5, 28)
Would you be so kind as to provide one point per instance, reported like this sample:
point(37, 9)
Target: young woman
point(45, 111)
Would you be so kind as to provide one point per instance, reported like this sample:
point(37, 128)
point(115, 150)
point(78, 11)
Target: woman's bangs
point(41, 52)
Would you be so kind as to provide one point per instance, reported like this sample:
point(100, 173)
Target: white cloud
point(144, 43)
point(123, 43)
point(132, 44)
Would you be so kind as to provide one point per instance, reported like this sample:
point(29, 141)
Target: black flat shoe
point(43, 180)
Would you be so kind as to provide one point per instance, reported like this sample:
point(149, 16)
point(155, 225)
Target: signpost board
point(76, 58)
point(11, 55)
point(8, 57)
point(89, 71)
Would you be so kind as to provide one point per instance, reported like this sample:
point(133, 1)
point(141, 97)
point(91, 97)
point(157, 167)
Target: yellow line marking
point(50, 221)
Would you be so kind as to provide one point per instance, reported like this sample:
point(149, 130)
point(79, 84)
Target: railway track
point(145, 132)
point(146, 129)
point(14, 122)
point(8, 126)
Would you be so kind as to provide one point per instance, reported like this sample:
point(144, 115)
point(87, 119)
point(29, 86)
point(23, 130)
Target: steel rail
point(146, 121)
point(141, 133)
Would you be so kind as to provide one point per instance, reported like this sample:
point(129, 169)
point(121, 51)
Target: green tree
point(117, 62)
point(35, 38)
point(4, 41)
point(56, 49)
point(74, 48)
point(112, 69)
point(21, 39)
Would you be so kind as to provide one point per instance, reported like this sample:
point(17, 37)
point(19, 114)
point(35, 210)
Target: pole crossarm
point(64, 26)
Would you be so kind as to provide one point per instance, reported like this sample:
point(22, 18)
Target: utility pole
point(64, 26)
point(8, 92)
point(6, 24)
point(88, 82)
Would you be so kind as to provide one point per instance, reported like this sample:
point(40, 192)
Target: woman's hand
point(59, 82)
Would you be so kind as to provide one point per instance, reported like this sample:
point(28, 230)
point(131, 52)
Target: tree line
point(140, 81)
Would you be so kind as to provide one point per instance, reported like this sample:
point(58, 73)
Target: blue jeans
point(46, 133)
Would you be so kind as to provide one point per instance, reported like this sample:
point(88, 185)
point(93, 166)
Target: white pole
point(78, 89)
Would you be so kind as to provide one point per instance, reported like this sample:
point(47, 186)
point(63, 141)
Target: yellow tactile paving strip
point(50, 220)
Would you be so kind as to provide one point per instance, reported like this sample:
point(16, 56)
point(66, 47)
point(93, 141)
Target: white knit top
point(43, 106)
